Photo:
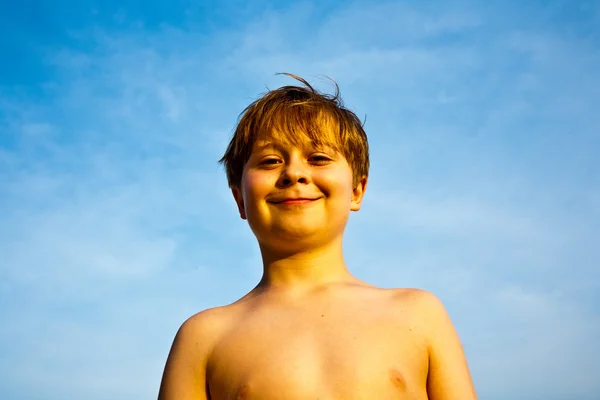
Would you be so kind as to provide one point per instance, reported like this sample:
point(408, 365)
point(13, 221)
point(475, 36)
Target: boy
point(297, 165)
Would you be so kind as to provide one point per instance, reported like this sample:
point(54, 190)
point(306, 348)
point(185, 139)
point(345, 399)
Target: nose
point(295, 171)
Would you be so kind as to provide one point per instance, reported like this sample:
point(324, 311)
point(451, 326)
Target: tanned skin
point(309, 329)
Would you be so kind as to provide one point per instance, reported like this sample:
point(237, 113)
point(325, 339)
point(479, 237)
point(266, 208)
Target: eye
point(270, 161)
point(320, 159)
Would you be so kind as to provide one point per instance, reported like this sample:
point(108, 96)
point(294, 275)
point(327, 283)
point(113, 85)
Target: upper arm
point(184, 377)
point(448, 376)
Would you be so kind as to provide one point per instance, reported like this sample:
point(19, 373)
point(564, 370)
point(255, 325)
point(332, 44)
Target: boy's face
point(297, 194)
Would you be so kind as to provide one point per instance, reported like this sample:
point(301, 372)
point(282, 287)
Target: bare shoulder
point(206, 323)
point(424, 306)
point(419, 303)
point(199, 332)
point(412, 296)
point(448, 376)
point(185, 370)
point(412, 304)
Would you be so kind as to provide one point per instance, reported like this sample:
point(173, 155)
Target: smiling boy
point(297, 165)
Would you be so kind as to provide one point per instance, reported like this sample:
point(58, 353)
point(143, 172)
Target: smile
point(293, 202)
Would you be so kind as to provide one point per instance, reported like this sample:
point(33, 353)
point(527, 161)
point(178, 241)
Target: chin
point(291, 245)
point(298, 238)
point(295, 233)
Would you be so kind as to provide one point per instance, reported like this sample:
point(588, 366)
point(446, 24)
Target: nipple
point(398, 379)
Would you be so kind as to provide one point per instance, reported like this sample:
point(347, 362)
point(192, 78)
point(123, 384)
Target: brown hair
point(298, 113)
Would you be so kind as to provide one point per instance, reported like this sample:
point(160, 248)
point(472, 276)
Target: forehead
point(302, 138)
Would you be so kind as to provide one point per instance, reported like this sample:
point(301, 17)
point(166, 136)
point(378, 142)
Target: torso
point(356, 342)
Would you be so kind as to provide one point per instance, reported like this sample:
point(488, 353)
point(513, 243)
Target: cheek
point(256, 185)
point(338, 187)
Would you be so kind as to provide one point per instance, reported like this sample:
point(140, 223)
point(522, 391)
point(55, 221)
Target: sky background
point(116, 223)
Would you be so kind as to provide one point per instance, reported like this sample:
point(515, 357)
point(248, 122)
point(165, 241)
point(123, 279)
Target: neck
point(303, 270)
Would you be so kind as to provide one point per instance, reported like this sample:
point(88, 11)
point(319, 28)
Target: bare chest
point(319, 355)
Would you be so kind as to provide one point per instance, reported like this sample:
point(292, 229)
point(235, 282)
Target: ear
point(358, 193)
point(239, 200)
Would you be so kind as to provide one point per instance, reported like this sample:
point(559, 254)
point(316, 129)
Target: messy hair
point(298, 113)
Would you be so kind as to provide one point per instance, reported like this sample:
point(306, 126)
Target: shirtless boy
point(297, 165)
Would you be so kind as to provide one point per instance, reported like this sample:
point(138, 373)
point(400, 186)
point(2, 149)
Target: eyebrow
point(274, 145)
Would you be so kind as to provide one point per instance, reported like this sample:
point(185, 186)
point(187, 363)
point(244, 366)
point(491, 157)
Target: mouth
point(293, 201)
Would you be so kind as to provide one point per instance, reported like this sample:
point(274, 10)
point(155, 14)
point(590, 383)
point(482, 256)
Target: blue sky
point(116, 222)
